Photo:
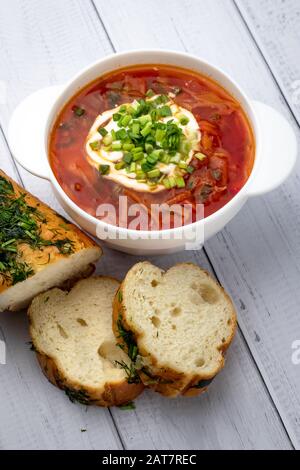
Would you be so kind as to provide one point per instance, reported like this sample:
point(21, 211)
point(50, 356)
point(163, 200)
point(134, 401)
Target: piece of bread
point(72, 335)
point(39, 249)
point(175, 325)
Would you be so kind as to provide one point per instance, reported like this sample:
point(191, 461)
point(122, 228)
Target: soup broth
point(210, 173)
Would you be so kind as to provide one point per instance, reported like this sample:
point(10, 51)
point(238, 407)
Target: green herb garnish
point(20, 223)
point(78, 111)
point(132, 352)
point(102, 131)
point(104, 169)
point(32, 347)
point(79, 396)
point(95, 145)
point(203, 383)
point(144, 136)
point(127, 406)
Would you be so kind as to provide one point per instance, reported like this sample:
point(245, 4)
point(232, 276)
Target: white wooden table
point(255, 402)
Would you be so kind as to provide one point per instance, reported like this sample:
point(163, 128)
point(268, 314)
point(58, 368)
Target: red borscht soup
point(155, 134)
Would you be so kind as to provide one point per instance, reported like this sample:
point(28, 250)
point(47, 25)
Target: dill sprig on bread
point(181, 323)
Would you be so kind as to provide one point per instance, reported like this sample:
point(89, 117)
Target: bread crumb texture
point(72, 334)
point(182, 322)
point(39, 249)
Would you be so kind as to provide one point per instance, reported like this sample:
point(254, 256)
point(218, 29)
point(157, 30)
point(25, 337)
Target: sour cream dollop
point(106, 152)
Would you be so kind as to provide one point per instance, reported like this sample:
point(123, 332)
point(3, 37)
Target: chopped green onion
point(165, 159)
point(137, 149)
point(127, 146)
point(161, 99)
point(169, 182)
point(161, 178)
point(132, 167)
point(165, 111)
point(175, 159)
point(107, 140)
point(150, 93)
point(122, 108)
point(154, 114)
point(104, 169)
point(120, 165)
point(78, 111)
point(185, 147)
point(147, 129)
point(127, 158)
point(155, 173)
point(152, 184)
point(183, 165)
point(116, 145)
point(160, 134)
point(157, 153)
point(190, 169)
point(148, 148)
point(166, 183)
point(113, 134)
point(143, 120)
point(172, 181)
point(152, 159)
point(121, 134)
point(138, 156)
point(180, 183)
point(125, 120)
point(184, 120)
point(116, 116)
point(161, 125)
point(130, 109)
point(135, 128)
point(200, 156)
point(95, 145)
point(146, 167)
point(140, 175)
point(102, 131)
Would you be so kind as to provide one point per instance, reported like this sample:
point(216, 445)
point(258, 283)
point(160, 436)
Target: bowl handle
point(278, 150)
point(26, 131)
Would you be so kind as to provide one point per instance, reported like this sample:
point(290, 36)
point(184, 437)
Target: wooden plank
point(257, 255)
point(50, 46)
point(239, 404)
point(274, 25)
point(34, 414)
point(227, 417)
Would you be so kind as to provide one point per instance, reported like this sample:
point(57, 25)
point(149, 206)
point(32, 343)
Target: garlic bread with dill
point(72, 335)
point(39, 249)
point(175, 327)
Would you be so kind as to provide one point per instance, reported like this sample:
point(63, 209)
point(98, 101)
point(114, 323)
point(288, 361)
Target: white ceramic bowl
point(276, 150)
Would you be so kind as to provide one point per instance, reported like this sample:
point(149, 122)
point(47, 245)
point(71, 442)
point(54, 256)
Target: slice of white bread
point(48, 250)
point(179, 324)
point(72, 335)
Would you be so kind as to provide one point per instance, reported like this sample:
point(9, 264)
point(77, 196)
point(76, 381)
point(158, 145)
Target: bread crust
point(55, 228)
point(112, 394)
point(167, 381)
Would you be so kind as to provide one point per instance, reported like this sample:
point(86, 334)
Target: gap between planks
point(260, 50)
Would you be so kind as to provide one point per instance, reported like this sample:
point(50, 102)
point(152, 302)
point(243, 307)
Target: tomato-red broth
point(226, 140)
